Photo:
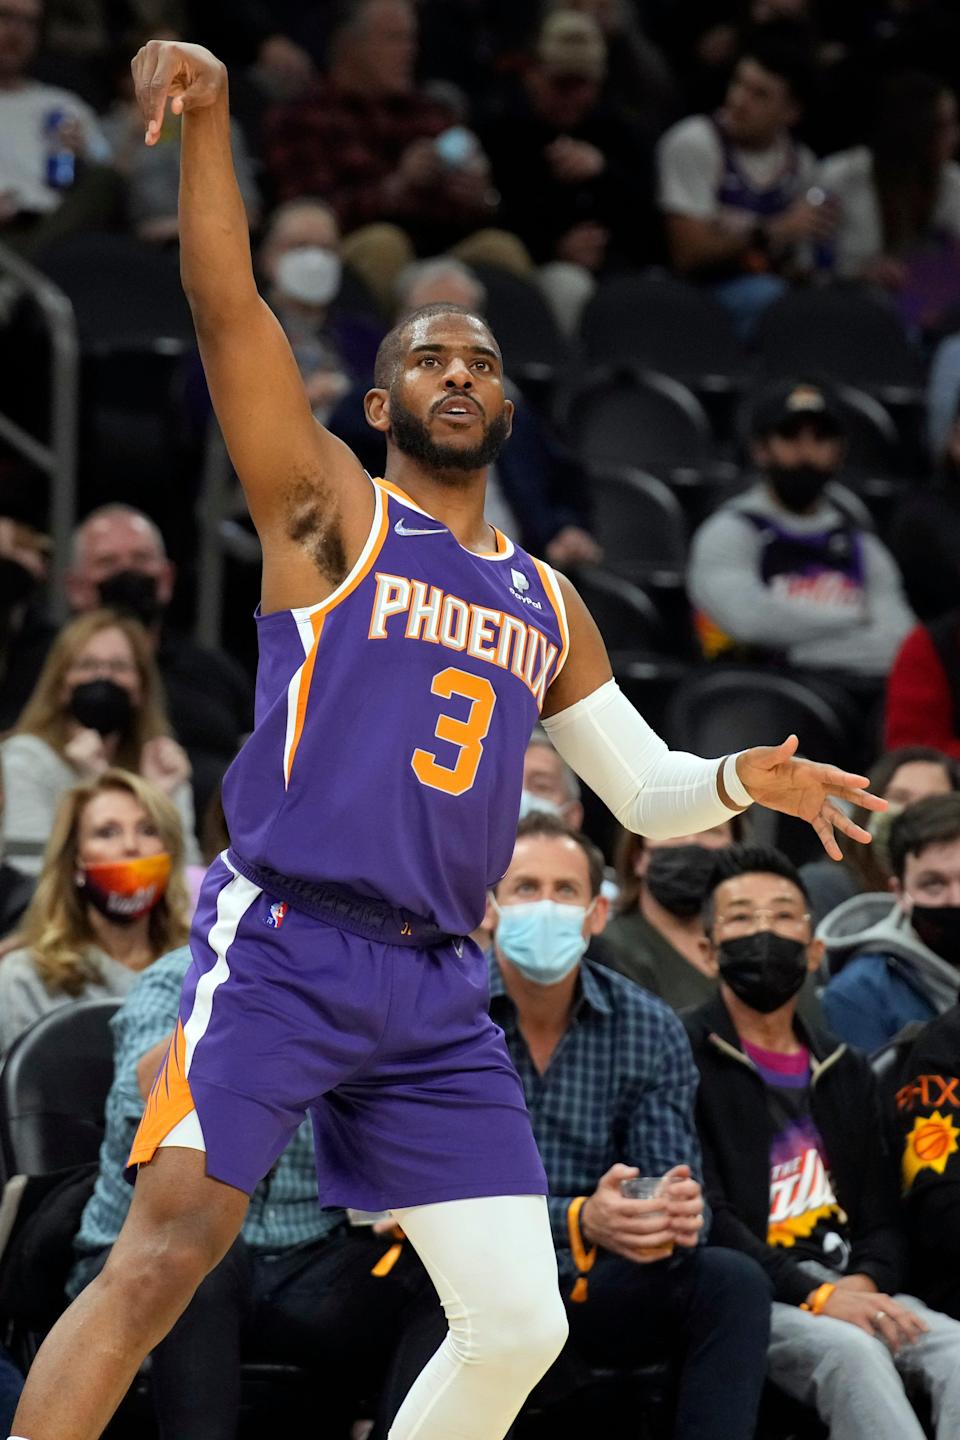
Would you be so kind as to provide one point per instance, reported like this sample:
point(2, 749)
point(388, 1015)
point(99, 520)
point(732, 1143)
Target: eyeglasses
point(746, 922)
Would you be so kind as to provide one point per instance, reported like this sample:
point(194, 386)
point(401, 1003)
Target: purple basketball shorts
point(391, 1049)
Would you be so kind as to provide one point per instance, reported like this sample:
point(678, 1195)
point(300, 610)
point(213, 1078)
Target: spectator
point(110, 899)
point(299, 1286)
point(549, 785)
point(301, 264)
point(657, 935)
point(923, 688)
point(97, 704)
point(54, 157)
point(574, 173)
point(119, 560)
point(926, 1111)
point(901, 776)
point(733, 186)
point(782, 570)
point(898, 200)
point(924, 533)
point(894, 964)
point(610, 1084)
point(639, 80)
point(366, 140)
point(535, 491)
point(152, 172)
point(799, 1174)
point(25, 634)
point(16, 889)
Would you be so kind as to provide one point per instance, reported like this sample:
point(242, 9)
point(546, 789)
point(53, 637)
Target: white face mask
point(531, 804)
point(310, 274)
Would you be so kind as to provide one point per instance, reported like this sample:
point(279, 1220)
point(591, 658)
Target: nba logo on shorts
point(276, 914)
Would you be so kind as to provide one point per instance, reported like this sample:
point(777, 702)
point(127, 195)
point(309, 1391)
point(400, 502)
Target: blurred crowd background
point(719, 243)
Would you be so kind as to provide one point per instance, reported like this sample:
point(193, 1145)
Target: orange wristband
point(583, 1257)
point(820, 1298)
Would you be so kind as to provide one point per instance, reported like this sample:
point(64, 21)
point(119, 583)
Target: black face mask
point(102, 705)
point(764, 970)
point(939, 928)
point(16, 584)
point(677, 878)
point(798, 487)
point(131, 592)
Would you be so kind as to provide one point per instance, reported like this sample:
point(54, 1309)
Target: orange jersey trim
point(549, 581)
point(169, 1101)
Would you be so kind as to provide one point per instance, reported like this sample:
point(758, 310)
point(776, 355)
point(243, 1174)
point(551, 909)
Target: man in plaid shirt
point(364, 139)
point(311, 1289)
point(609, 1081)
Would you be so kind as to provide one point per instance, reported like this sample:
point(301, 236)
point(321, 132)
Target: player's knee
point(519, 1335)
point(169, 1267)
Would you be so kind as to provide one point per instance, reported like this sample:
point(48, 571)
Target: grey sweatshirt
point(876, 925)
point(820, 624)
point(24, 997)
point(35, 780)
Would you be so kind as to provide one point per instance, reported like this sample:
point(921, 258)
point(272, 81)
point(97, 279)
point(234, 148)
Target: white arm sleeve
point(651, 790)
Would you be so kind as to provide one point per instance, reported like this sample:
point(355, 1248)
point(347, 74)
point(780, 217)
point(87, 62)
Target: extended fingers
point(827, 838)
point(843, 823)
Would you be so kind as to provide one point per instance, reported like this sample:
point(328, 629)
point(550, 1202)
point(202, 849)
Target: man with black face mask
point(799, 1175)
point(895, 963)
point(119, 561)
point(783, 570)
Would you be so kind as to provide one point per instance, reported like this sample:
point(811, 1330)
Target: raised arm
point(289, 466)
point(659, 792)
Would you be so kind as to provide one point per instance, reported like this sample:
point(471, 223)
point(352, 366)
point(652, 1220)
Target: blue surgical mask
point(537, 804)
point(543, 939)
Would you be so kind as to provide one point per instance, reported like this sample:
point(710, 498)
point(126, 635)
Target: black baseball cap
point(794, 405)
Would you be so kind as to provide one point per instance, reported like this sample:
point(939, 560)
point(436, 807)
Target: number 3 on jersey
point(469, 734)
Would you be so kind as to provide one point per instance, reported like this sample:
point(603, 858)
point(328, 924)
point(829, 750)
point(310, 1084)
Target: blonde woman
point(110, 900)
point(98, 703)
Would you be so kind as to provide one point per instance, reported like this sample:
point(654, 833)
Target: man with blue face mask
point(609, 1082)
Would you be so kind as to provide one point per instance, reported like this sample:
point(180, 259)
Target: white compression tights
point(495, 1270)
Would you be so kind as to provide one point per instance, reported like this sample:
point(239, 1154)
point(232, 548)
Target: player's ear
point(376, 404)
point(509, 410)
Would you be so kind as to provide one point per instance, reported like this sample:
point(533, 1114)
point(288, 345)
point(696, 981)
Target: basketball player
point(406, 650)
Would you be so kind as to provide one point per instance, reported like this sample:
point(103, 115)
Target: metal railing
point(57, 458)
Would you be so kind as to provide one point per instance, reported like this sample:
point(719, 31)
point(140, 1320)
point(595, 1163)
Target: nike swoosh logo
point(401, 529)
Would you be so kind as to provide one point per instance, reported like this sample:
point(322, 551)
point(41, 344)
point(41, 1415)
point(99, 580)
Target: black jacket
point(734, 1125)
point(928, 1117)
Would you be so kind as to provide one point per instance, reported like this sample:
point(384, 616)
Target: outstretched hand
point(188, 75)
point(776, 778)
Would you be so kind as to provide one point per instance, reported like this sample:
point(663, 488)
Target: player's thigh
point(181, 1220)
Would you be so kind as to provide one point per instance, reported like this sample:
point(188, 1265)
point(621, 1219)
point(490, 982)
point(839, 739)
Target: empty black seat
point(126, 293)
point(640, 524)
point(625, 615)
point(733, 707)
point(533, 346)
point(665, 324)
point(54, 1081)
point(843, 332)
point(626, 417)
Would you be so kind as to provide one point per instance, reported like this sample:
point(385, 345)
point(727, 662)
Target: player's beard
point(411, 435)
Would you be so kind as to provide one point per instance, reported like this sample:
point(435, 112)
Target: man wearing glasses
point(798, 1173)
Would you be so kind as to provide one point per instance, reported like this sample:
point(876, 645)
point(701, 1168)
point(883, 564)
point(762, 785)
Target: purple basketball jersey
point(392, 719)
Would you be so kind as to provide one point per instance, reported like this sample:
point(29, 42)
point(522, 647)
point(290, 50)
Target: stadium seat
point(732, 707)
point(54, 1081)
point(666, 324)
point(534, 350)
point(640, 524)
point(636, 418)
point(126, 293)
point(625, 615)
point(843, 332)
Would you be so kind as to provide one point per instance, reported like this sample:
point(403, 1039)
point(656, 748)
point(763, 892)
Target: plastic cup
point(647, 1187)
